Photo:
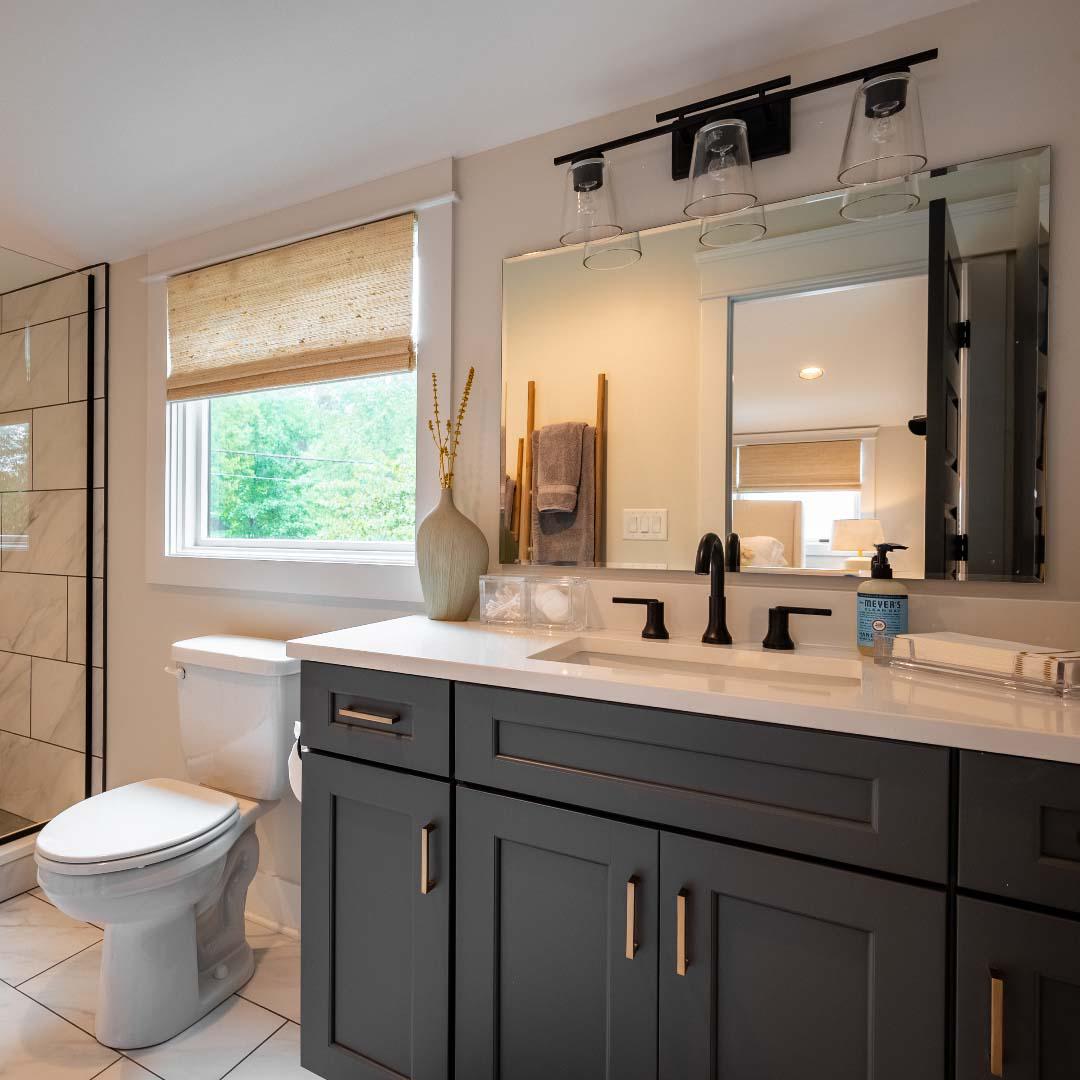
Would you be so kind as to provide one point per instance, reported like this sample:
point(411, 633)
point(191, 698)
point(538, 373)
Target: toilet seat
point(136, 825)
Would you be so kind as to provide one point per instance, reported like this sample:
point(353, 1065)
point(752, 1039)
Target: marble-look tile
point(276, 982)
point(210, 1048)
point(126, 1069)
point(97, 747)
point(97, 775)
point(18, 875)
point(60, 447)
point(54, 524)
point(77, 357)
point(36, 1044)
point(58, 703)
point(99, 533)
point(15, 451)
point(38, 779)
point(277, 1059)
point(34, 367)
point(35, 936)
point(56, 299)
point(70, 988)
point(15, 693)
point(77, 620)
point(33, 615)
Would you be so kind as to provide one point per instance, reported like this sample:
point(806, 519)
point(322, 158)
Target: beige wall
point(899, 486)
point(1008, 77)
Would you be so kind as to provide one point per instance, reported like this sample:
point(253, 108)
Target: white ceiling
point(128, 123)
point(870, 339)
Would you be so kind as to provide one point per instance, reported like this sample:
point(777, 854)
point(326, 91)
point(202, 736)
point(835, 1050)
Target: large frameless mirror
point(851, 377)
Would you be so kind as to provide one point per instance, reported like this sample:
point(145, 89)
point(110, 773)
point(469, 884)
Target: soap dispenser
point(882, 603)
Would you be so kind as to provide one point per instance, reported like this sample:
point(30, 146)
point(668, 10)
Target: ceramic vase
point(451, 554)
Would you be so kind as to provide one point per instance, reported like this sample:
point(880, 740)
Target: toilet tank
point(239, 699)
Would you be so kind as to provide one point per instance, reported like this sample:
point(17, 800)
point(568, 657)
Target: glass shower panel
point(52, 499)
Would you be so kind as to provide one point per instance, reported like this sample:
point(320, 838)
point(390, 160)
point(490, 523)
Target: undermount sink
point(807, 667)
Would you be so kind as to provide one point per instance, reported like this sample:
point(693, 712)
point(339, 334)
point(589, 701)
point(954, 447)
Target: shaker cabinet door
point(1018, 994)
point(376, 930)
point(556, 944)
point(773, 967)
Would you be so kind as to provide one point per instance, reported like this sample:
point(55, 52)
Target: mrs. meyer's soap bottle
point(881, 603)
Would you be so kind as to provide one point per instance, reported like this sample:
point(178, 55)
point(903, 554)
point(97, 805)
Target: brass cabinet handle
point(997, 1025)
point(374, 718)
point(681, 962)
point(426, 884)
point(631, 918)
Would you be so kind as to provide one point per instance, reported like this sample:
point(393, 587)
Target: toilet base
point(160, 976)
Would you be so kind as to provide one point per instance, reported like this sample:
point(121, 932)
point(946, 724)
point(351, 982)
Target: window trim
point(301, 569)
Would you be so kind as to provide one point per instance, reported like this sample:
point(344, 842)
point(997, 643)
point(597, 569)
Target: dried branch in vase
point(448, 439)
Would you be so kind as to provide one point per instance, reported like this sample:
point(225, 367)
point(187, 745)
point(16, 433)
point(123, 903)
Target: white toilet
point(165, 865)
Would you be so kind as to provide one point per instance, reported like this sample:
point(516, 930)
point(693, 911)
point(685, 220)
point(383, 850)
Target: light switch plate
point(647, 524)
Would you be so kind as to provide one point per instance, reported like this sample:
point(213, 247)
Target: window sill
point(288, 573)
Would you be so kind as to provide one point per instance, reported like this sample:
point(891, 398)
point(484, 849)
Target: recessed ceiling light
point(810, 373)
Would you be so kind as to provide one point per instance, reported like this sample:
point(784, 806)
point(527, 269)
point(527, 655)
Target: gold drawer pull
point(681, 963)
point(374, 718)
point(631, 918)
point(426, 884)
point(997, 1025)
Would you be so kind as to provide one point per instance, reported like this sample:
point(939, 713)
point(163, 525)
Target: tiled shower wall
point(43, 448)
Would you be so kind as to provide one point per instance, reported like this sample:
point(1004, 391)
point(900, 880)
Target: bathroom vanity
point(582, 857)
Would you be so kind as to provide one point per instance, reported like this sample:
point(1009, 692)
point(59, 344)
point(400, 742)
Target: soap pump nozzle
point(879, 564)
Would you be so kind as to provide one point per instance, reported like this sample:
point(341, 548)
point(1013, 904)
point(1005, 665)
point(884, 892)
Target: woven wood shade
point(799, 466)
point(333, 307)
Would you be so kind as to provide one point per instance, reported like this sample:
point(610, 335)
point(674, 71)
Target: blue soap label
point(880, 614)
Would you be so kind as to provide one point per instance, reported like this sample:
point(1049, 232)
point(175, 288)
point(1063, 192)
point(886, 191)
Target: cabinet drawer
point(401, 720)
point(867, 802)
point(1020, 829)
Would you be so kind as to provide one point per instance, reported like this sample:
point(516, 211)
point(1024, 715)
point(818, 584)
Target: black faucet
point(655, 629)
point(710, 560)
point(779, 635)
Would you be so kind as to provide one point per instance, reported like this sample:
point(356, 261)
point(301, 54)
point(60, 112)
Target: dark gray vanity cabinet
point(1018, 993)
point(502, 885)
point(772, 967)
point(376, 922)
point(556, 943)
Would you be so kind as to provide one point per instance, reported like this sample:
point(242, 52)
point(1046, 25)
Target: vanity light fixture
point(884, 138)
point(589, 201)
point(811, 373)
point(721, 174)
point(868, 202)
point(715, 141)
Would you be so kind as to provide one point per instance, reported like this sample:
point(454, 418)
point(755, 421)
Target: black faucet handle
point(654, 615)
point(779, 635)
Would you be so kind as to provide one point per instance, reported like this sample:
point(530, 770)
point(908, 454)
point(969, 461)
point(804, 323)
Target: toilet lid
point(137, 819)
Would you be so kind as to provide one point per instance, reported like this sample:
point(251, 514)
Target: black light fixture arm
point(697, 113)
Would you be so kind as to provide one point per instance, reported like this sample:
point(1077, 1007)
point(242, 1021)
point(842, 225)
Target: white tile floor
point(48, 986)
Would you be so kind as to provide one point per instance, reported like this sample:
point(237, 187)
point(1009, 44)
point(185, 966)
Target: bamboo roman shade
point(333, 307)
point(799, 466)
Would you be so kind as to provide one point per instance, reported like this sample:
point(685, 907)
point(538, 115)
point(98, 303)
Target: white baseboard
point(274, 903)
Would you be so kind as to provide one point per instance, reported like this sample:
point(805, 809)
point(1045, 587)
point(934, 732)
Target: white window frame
point(364, 570)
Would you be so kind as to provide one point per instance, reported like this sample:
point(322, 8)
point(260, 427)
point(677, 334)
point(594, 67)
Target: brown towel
point(568, 538)
point(558, 467)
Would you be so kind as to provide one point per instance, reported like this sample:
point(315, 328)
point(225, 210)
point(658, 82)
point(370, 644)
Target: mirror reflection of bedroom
point(828, 457)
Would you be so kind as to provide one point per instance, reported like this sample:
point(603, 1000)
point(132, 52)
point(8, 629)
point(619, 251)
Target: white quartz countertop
point(931, 709)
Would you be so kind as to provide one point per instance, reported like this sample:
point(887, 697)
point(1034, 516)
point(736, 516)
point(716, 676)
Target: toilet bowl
point(164, 865)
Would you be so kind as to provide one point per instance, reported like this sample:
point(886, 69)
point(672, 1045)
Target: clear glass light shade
point(731, 229)
point(613, 253)
point(721, 177)
point(868, 202)
point(885, 133)
point(589, 203)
